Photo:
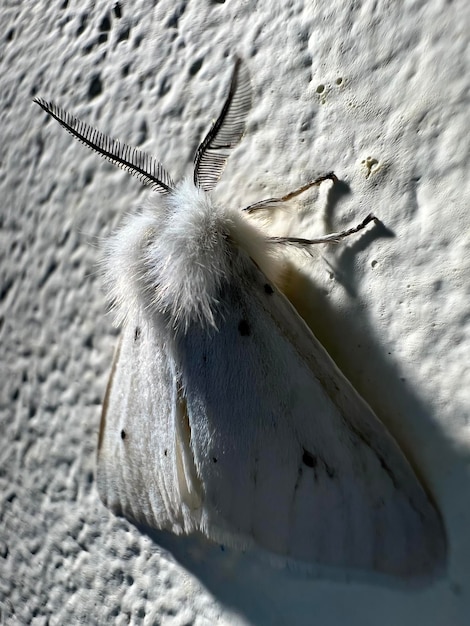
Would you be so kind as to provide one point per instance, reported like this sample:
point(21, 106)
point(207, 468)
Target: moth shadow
point(342, 269)
point(374, 374)
point(266, 590)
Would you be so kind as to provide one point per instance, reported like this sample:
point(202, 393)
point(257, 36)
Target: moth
point(223, 413)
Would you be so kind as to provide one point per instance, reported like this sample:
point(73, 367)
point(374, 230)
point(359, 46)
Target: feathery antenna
point(140, 164)
point(226, 132)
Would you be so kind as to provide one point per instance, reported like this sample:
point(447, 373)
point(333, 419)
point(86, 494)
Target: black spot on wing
point(316, 463)
point(137, 333)
point(244, 328)
point(268, 289)
point(309, 459)
point(123, 434)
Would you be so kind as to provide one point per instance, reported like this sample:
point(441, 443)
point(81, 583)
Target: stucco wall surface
point(377, 92)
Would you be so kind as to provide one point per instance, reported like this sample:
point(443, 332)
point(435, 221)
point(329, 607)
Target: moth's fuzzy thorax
point(177, 254)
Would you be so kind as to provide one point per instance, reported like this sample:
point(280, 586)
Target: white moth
point(223, 413)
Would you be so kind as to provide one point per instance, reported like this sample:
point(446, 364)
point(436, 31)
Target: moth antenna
point(330, 238)
point(269, 203)
point(225, 132)
point(140, 164)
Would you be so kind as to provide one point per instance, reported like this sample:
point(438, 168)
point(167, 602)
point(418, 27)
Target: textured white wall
point(377, 92)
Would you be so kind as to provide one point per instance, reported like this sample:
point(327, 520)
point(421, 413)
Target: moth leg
point(272, 202)
point(331, 238)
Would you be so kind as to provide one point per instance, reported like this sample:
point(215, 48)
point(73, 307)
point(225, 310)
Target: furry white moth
point(223, 413)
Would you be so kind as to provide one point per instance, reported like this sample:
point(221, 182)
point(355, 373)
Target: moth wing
point(145, 466)
point(289, 455)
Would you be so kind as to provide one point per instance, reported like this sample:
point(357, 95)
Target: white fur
point(177, 253)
